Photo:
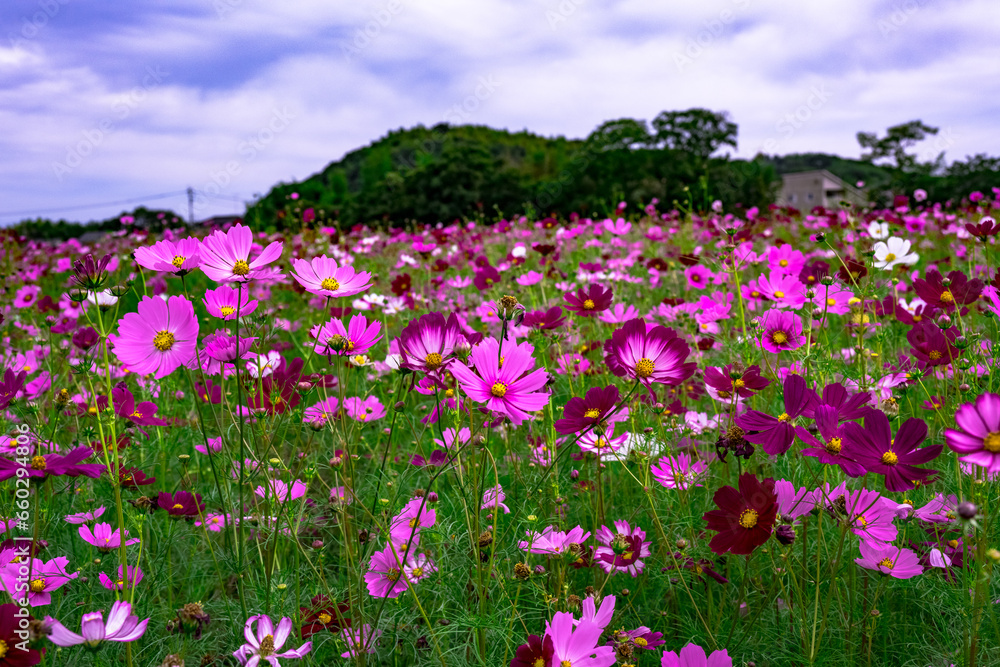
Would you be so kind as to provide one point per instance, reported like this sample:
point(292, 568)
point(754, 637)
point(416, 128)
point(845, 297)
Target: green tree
point(895, 143)
point(699, 132)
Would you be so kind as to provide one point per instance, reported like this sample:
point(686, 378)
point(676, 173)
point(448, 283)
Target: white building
point(806, 189)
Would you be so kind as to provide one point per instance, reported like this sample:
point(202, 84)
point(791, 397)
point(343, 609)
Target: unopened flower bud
point(967, 510)
point(432, 497)
point(574, 474)
point(399, 406)
point(943, 322)
point(317, 544)
point(681, 543)
point(785, 535)
point(826, 280)
point(820, 237)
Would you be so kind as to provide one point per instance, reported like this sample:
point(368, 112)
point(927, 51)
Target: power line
point(134, 200)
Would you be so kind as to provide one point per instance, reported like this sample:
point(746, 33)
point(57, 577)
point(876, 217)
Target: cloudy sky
point(108, 101)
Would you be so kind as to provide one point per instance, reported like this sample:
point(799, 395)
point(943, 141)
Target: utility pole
point(190, 193)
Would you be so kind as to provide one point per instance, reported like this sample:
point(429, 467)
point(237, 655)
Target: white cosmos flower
point(878, 230)
point(104, 298)
point(892, 252)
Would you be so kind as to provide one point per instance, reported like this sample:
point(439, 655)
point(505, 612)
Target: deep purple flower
point(143, 414)
point(91, 274)
point(829, 450)
point(536, 652)
point(648, 354)
point(931, 346)
point(776, 434)
point(848, 406)
point(745, 518)
point(959, 291)
point(748, 382)
point(545, 320)
point(12, 383)
point(486, 278)
point(582, 413)
point(182, 504)
point(40, 467)
point(874, 447)
point(589, 302)
point(85, 338)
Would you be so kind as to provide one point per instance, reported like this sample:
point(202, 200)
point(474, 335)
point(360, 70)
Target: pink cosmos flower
point(977, 439)
point(225, 349)
point(782, 331)
point(213, 521)
point(553, 542)
point(894, 561)
point(493, 499)
point(428, 343)
point(321, 276)
point(215, 444)
point(45, 578)
point(357, 338)
point(409, 521)
point(264, 643)
point(578, 645)
point(698, 276)
point(419, 567)
point(105, 539)
point(320, 413)
point(792, 502)
point(833, 299)
point(84, 517)
point(225, 301)
point(384, 577)
point(648, 354)
point(505, 381)
point(122, 626)
point(280, 491)
point(134, 577)
point(159, 338)
point(693, 655)
point(621, 551)
point(786, 259)
point(225, 256)
point(366, 410)
point(180, 256)
point(678, 472)
point(619, 314)
point(870, 518)
point(26, 296)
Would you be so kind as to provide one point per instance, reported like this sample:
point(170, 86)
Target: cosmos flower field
point(660, 438)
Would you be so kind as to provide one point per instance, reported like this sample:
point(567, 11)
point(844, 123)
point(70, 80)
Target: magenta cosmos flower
point(180, 256)
point(894, 561)
point(782, 331)
point(553, 542)
point(357, 338)
point(225, 301)
point(323, 277)
point(225, 256)
point(40, 467)
point(576, 642)
point(428, 343)
point(122, 626)
point(105, 539)
point(648, 354)
point(364, 410)
point(159, 338)
point(678, 472)
point(978, 440)
point(693, 655)
point(384, 577)
point(511, 388)
point(896, 458)
point(264, 643)
point(45, 578)
point(776, 434)
point(589, 302)
point(134, 577)
point(620, 551)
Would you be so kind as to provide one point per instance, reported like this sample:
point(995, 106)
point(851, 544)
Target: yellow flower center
point(890, 458)
point(834, 445)
point(499, 389)
point(783, 263)
point(639, 641)
point(953, 543)
point(889, 257)
point(588, 304)
point(38, 585)
point(779, 338)
point(449, 393)
point(178, 261)
point(565, 663)
point(783, 417)
point(935, 355)
point(392, 575)
point(163, 341)
point(947, 297)
point(748, 518)
point(887, 563)
point(418, 572)
point(739, 384)
point(644, 368)
point(991, 442)
point(266, 646)
point(331, 284)
point(324, 618)
point(831, 302)
point(227, 310)
point(592, 413)
point(779, 294)
point(38, 463)
point(241, 268)
point(3, 648)
point(433, 361)
point(539, 662)
point(861, 521)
